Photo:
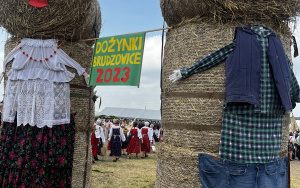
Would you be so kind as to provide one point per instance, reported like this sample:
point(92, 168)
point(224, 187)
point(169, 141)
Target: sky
point(123, 17)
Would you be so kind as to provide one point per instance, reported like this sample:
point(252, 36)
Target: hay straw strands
point(224, 11)
point(165, 28)
point(60, 19)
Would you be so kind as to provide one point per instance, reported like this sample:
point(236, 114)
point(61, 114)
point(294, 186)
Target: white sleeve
point(122, 135)
point(110, 133)
point(97, 131)
point(150, 135)
point(67, 60)
point(11, 55)
point(102, 135)
point(128, 133)
point(139, 133)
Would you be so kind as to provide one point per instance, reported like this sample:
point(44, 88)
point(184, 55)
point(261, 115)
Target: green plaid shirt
point(251, 133)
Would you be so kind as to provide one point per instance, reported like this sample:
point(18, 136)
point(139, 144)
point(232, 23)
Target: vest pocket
point(237, 83)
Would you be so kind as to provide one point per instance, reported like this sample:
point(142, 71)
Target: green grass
point(125, 173)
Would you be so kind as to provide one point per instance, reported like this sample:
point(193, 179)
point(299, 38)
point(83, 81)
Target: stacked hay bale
point(69, 21)
point(192, 108)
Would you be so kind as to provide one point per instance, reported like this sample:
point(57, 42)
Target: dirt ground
point(141, 173)
point(295, 173)
point(125, 173)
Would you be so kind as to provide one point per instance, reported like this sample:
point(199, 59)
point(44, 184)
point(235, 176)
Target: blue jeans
point(221, 173)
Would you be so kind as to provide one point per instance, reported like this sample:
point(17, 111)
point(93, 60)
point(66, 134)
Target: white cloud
point(296, 62)
point(1, 69)
point(1, 60)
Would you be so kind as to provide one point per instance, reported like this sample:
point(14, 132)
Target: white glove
point(175, 76)
point(1, 76)
point(86, 77)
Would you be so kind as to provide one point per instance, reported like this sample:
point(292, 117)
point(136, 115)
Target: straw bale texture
point(82, 53)
point(193, 122)
point(79, 161)
point(242, 11)
point(60, 19)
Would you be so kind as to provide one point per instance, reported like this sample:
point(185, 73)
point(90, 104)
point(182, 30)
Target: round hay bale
point(80, 96)
point(243, 11)
point(192, 107)
point(60, 19)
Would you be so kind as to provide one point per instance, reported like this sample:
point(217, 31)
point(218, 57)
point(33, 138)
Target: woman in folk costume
point(37, 139)
point(156, 133)
point(125, 131)
point(151, 130)
point(99, 135)
point(134, 143)
point(161, 133)
point(107, 126)
point(94, 143)
point(147, 135)
point(116, 137)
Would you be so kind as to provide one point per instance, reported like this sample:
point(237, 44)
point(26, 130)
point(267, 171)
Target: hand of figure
point(1, 76)
point(175, 76)
point(86, 77)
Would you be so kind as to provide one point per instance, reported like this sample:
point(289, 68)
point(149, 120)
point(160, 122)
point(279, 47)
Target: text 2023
point(109, 73)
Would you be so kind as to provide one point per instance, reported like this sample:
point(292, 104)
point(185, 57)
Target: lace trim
point(40, 102)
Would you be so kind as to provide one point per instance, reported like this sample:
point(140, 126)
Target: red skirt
point(94, 142)
point(146, 144)
point(134, 145)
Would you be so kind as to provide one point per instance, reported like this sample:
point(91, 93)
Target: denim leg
point(267, 175)
point(211, 172)
point(241, 175)
point(282, 173)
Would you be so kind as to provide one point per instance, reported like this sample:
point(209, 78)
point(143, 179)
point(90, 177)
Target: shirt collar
point(261, 30)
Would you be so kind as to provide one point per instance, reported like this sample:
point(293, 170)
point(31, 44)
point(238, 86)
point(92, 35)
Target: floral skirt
point(94, 142)
point(145, 146)
point(36, 157)
point(134, 145)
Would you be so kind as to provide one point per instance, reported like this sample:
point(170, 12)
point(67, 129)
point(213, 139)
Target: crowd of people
point(294, 145)
point(126, 137)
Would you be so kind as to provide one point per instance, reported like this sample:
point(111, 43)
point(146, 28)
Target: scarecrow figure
point(260, 88)
point(38, 135)
point(196, 108)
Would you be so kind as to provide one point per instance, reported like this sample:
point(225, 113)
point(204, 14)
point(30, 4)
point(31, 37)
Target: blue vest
point(243, 68)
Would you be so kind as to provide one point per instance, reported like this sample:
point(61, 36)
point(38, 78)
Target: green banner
point(117, 60)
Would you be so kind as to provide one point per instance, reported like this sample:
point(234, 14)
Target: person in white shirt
point(147, 135)
point(151, 130)
point(135, 140)
point(97, 139)
point(156, 133)
point(107, 126)
point(116, 136)
point(291, 145)
point(99, 133)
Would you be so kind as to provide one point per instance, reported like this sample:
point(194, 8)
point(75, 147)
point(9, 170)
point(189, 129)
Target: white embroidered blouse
point(37, 90)
point(40, 59)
